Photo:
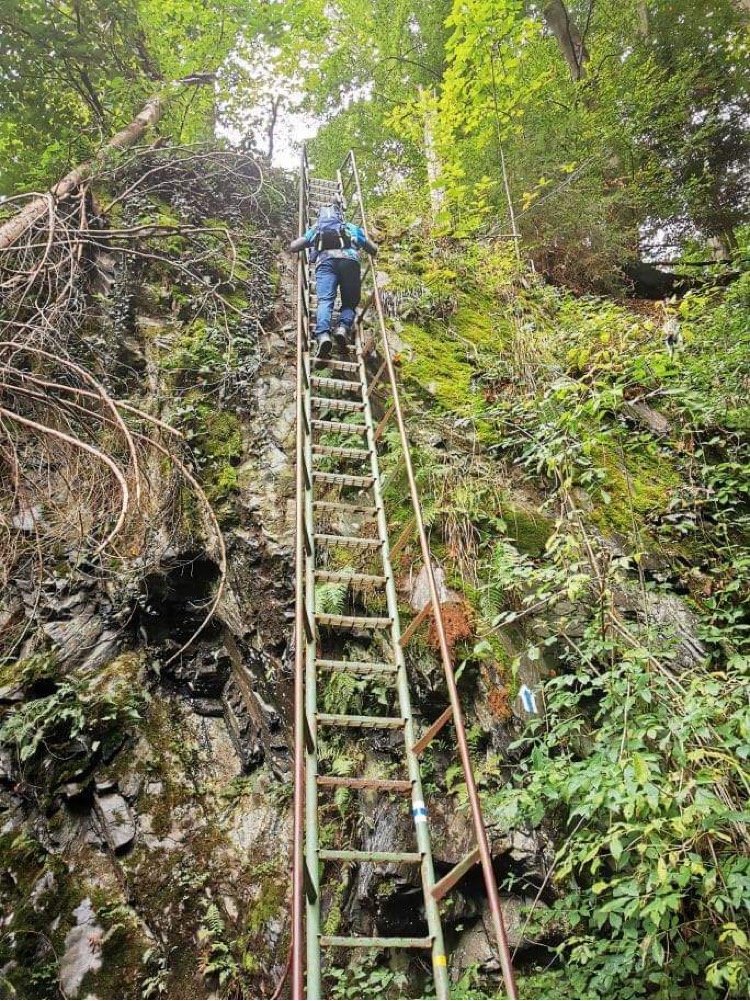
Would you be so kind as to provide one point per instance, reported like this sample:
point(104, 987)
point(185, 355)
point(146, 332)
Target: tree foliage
point(72, 73)
point(650, 137)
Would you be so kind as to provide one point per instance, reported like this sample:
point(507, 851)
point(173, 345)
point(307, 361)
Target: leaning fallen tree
point(152, 112)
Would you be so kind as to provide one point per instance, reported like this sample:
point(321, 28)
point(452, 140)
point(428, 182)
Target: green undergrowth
point(71, 721)
point(586, 488)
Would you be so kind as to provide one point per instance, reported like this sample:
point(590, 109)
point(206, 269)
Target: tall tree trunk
point(152, 111)
point(568, 37)
point(437, 192)
point(275, 105)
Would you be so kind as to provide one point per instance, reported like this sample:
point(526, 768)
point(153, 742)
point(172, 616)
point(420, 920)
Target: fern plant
point(330, 598)
point(506, 572)
point(218, 960)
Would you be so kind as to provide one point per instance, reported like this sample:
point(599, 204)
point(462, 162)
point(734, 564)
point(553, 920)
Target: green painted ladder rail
point(340, 404)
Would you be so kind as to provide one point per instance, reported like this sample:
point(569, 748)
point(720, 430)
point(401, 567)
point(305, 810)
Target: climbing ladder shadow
point(342, 405)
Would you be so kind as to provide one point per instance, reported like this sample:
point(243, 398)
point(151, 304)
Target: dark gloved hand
point(296, 245)
point(371, 248)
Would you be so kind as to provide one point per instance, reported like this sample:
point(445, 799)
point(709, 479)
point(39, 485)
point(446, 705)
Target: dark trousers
point(337, 274)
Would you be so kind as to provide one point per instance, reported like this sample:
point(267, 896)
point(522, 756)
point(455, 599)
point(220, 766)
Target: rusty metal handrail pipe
point(480, 831)
point(298, 935)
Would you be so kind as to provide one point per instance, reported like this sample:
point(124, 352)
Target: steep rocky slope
point(585, 484)
point(145, 837)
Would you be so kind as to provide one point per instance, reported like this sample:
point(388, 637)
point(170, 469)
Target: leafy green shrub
point(79, 721)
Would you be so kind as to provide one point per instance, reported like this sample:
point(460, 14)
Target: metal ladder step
point(339, 426)
point(358, 666)
point(331, 855)
point(340, 506)
point(333, 403)
point(344, 782)
point(372, 942)
point(323, 382)
point(345, 366)
point(353, 621)
point(347, 577)
point(361, 722)
point(343, 479)
point(340, 450)
point(347, 540)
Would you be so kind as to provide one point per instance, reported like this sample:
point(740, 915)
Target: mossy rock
point(37, 917)
point(528, 530)
point(636, 492)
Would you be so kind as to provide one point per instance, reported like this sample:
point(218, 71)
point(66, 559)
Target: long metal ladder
point(335, 400)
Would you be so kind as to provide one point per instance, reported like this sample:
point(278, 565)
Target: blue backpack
point(331, 231)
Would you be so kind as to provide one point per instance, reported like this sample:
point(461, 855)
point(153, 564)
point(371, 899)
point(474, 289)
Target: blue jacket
point(358, 238)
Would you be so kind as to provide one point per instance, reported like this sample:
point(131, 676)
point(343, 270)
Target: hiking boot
point(324, 345)
point(341, 337)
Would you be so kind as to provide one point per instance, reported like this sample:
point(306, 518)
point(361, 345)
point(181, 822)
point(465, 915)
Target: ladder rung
point(343, 479)
point(343, 782)
point(341, 506)
point(373, 942)
point(332, 403)
point(349, 577)
point(345, 366)
point(339, 426)
point(347, 540)
point(329, 855)
point(353, 621)
point(345, 453)
point(323, 382)
point(458, 871)
point(415, 623)
point(432, 731)
point(358, 666)
point(361, 722)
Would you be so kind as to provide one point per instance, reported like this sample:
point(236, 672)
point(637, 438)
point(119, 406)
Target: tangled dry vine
point(82, 464)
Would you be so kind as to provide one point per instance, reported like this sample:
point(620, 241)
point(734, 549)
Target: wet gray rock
point(131, 785)
point(11, 693)
point(207, 707)
point(75, 790)
point(45, 884)
point(476, 946)
point(652, 420)
point(77, 638)
point(116, 819)
point(420, 588)
point(7, 766)
point(27, 519)
point(104, 650)
point(83, 949)
point(205, 674)
point(670, 615)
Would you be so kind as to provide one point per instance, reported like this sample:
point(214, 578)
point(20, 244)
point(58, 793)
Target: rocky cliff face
point(146, 791)
point(145, 802)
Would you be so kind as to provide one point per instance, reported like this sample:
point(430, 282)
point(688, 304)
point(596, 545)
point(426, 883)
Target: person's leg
point(350, 283)
point(326, 284)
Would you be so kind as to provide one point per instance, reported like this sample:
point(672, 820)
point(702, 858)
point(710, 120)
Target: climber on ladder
point(334, 246)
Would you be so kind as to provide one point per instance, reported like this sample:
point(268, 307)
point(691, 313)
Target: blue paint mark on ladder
point(528, 699)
